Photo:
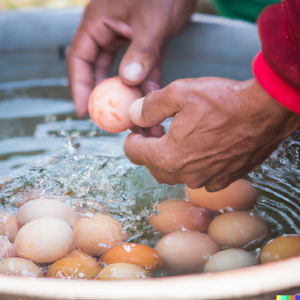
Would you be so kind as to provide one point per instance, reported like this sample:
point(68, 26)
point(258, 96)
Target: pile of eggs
point(210, 232)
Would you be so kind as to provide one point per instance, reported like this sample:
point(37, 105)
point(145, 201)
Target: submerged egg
point(20, 267)
point(230, 259)
point(109, 104)
point(186, 251)
point(43, 207)
point(123, 271)
point(282, 247)
point(239, 195)
point(96, 235)
point(75, 265)
point(7, 249)
point(237, 229)
point(9, 226)
point(133, 253)
point(177, 215)
point(44, 240)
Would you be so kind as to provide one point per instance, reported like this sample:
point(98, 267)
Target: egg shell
point(20, 267)
point(238, 229)
point(44, 240)
point(133, 253)
point(43, 207)
point(239, 195)
point(75, 265)
point(9, 226)
point(123, 271)
point(96, 235)
point(177, 214)
point(230, 259)
point(7, 249)
point(109, 104)
point(186, 251)
point(282, 247)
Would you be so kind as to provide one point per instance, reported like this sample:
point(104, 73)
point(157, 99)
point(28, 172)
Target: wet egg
point(9, 226)
point(109, 104)
point(7, 249)
point(186, 251)
point(230, 259)
point(133, 253)
point(43, 207)
point(44, 240)
point(75, 265)
point(123, 271)
point(239, 195)
point(20, 267)
point(177, 215)
point(238, 229)
point(282, 247)
point(96, 235)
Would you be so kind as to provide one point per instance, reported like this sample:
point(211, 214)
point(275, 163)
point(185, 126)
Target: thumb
point(154, 108)
point(140, 58)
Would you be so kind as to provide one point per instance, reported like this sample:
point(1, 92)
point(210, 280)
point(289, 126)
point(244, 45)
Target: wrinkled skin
point(109, 24)
point(221, 130)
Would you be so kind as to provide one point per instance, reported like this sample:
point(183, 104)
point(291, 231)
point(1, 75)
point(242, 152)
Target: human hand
point(109, 24)
point(221, 130)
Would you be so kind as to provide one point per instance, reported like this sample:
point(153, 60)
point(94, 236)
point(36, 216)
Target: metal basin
point(33, 84)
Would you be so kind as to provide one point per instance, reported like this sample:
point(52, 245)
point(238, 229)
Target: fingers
point(103, 64)
point(153, 80)
point(155, 107)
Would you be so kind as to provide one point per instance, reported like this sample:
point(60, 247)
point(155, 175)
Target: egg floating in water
point(7, 249)
point(177, 215)
point(230, 259)
point(44, 240)
point(75, 265)
point(20, 267)
point(96, 235)
point(238, 229)
point(239, 195)
point(282, 247)
point(186, 251)
point(9, 226)
point(43, 207)
point(109, 104)
point(123, 271)
point(133, 253)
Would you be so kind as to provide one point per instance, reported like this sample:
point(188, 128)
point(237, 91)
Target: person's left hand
point(221, 130)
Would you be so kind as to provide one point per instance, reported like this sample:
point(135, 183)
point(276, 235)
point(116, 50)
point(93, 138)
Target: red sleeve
point(277, 68)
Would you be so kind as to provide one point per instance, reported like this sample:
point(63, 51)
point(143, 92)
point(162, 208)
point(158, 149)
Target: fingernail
point(132, 71)
point(135, 110)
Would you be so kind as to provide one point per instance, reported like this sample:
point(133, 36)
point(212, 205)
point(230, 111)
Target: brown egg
point(285, 246)
point(109, 104)
point(186, 251)
point(237, 229)
point(44, 240)
point(240, 195)
point(43, 207)
point(177, 215)
point(75, 265)
point(7, 249)
point(123, 271)
point(20, 267)
point(9, 226)
point(133, 253)
point(230, 259)
point(96, 235)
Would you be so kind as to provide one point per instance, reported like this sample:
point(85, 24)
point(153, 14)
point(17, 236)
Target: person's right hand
point(109, 24)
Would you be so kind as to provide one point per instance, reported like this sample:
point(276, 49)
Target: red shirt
point(277, 68)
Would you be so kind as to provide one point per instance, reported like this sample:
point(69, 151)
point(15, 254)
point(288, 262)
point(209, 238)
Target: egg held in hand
point(109, 104)
point(239, 195)
point(44, 240)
